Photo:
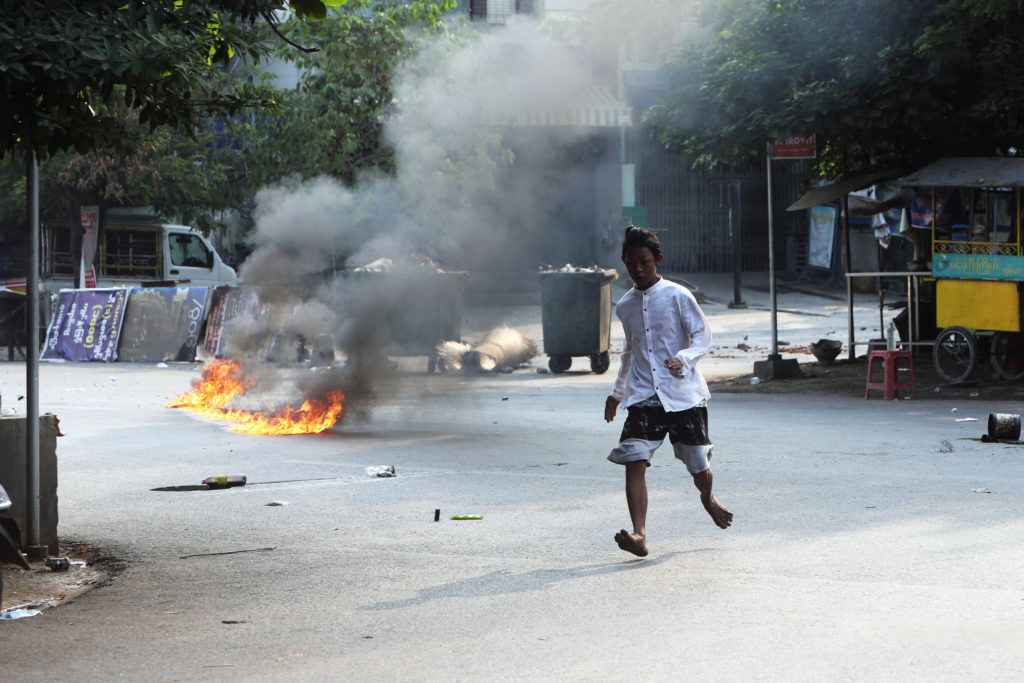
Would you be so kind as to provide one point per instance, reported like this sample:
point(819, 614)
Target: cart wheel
point(1008, 354)
point(559, 363)
point(955, 354)
point(599, 362)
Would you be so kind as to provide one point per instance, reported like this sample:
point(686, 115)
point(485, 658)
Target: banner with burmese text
point(86, 325)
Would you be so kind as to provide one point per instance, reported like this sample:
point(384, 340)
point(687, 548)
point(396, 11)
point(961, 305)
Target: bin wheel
point(1008, 354)
point(599, 362)
point(559, 363)
point(955, 354)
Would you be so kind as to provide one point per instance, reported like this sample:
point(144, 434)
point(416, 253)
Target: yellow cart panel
point(978, 304)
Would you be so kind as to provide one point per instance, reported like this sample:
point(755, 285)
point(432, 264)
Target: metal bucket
point(1004, 426)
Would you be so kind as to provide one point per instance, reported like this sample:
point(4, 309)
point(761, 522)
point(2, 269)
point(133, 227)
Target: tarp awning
point(969, 171)
point(824, 194)
point(588, 106)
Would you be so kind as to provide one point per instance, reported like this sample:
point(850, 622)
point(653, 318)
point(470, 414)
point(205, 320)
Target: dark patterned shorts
point(651, 422)
point(647, 424)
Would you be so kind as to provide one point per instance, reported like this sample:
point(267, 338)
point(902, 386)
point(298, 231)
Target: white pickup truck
point(132, 253)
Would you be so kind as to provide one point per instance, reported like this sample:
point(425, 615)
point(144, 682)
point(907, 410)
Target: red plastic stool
point(890, 383)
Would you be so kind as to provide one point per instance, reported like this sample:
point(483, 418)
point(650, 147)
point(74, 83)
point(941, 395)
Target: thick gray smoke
point(474, 190)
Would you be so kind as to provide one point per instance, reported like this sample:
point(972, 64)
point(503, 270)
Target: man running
point(663, 392)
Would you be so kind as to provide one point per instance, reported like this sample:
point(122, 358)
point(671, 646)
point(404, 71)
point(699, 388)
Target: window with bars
point(134, 251)
point(498, 11)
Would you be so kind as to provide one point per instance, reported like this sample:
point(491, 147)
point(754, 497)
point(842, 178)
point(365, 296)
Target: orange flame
point(222, 381)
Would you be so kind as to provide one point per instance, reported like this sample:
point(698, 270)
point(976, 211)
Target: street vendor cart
point(971, 209)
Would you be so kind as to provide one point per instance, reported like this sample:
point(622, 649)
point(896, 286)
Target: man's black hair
point(640, 237)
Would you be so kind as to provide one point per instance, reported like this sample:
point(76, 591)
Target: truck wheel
point(1008, 355)
point(955, 354)
point(599, 362)
point(559, 363)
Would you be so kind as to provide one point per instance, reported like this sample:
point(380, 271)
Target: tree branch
point(273, 27)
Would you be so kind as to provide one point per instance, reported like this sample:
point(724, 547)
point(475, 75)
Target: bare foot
point(720, 516)
point(631, 543)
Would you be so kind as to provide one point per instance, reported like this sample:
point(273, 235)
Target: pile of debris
point(569, 268)
point(502, 348)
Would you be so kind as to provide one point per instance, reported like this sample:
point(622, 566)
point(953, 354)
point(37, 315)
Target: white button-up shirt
point(661, 322)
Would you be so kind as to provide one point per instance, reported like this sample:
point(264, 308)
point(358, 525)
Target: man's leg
point(636, 500)
point(689, 434)
point(721, 516)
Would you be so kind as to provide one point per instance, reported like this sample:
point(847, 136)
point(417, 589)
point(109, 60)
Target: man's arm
point(696, 326)
point(611, 403)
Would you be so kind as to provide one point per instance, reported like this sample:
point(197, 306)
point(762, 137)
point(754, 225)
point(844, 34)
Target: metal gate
point(690, 211)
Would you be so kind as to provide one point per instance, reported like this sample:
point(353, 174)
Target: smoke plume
point(479, 187)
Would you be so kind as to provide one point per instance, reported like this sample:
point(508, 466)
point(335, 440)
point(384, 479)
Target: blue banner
point(978, 266)
point(86, 325)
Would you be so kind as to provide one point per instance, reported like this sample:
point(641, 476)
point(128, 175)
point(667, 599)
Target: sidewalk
point(805, 313)
point(742, 336)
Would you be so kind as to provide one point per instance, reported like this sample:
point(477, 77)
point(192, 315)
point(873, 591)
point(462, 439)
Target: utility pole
point(735, 233)
point(33, 549)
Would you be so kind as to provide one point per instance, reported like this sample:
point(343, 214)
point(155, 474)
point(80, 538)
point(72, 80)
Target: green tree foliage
point(879, 83)
point(332, 122)
point(63, 62)
point(229, 133)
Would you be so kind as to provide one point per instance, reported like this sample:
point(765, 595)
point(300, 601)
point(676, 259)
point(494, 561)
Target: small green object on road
point(467, 516)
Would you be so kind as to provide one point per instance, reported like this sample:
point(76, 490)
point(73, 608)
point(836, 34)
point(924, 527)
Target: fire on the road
point(223, 380)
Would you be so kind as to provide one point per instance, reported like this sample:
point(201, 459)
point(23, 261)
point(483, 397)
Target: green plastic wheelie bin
point(419, 307)
point(576, 316)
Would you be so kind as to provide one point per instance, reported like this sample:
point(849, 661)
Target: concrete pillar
point(14, 474)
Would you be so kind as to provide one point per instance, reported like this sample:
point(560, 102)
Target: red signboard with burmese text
point(90, 223)
point(794, 147)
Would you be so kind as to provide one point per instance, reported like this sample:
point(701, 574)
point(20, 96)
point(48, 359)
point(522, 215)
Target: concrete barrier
point(14, 475)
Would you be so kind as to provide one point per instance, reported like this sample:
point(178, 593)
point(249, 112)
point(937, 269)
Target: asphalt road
point(863, 548)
